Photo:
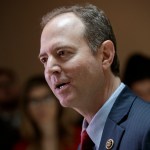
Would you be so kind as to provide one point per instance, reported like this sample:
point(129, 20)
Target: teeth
point(60, 86)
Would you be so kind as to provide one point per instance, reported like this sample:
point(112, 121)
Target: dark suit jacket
point(128, 123)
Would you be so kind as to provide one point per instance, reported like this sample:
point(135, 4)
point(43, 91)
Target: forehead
point(64, 19)
point(64, 27)
point(63, 22)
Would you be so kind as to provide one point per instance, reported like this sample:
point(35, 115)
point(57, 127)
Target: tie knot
point(86, 142)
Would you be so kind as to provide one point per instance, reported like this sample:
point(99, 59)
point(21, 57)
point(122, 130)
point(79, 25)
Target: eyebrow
point(56, 46)
point(41, 55)
point(44, 53)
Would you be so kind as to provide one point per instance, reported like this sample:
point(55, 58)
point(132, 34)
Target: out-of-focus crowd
point(31, 117)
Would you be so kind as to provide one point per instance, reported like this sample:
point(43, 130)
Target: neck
point(110, 85)
point(49, 130)
point(50, 137)
point(50, 143)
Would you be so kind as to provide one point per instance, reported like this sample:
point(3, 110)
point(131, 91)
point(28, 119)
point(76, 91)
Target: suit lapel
point(118, 114)
point(112, 131)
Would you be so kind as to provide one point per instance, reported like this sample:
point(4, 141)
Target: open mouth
point(59, 86)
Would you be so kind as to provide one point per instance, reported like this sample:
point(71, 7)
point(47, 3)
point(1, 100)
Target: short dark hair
point(136, 69)
point(97, 27)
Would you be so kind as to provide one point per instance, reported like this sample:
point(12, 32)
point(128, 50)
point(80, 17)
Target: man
point(78, 50)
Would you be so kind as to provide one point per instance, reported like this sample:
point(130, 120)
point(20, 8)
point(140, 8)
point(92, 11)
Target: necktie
point(86, 142)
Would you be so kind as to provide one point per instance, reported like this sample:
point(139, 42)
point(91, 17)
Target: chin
point(66, 102)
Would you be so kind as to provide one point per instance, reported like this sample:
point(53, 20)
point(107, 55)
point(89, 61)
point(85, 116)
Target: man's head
point(78, 50)
point(97, 27)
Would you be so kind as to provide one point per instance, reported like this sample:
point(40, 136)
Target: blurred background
point(20, 30)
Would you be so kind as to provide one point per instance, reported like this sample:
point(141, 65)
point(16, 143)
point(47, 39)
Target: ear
point(108, 52)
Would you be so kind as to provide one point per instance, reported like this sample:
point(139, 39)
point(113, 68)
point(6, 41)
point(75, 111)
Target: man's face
point(73, 73)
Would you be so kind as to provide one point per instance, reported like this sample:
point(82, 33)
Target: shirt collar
point(96, 126)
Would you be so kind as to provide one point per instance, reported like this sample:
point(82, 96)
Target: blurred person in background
point(40, 117)
point(137, 75)
point(9, 117)
point(72, 123)
point(41, 125)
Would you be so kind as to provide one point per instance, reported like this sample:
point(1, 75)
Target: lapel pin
point(109, 144)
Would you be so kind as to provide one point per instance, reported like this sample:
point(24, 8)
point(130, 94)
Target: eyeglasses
point(44, 99)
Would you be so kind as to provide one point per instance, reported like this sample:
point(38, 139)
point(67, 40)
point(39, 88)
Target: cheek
point(46, 75)
point(90, 76)
point(32, 112)
point(47, 78)
point(52, 112)
point(43, 114)
point(85, 70)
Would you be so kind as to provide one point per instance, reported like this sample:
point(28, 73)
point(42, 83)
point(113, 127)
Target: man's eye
point(44, 60)
point(61, 53)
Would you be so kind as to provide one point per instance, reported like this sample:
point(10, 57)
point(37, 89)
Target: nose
point(52, 67)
